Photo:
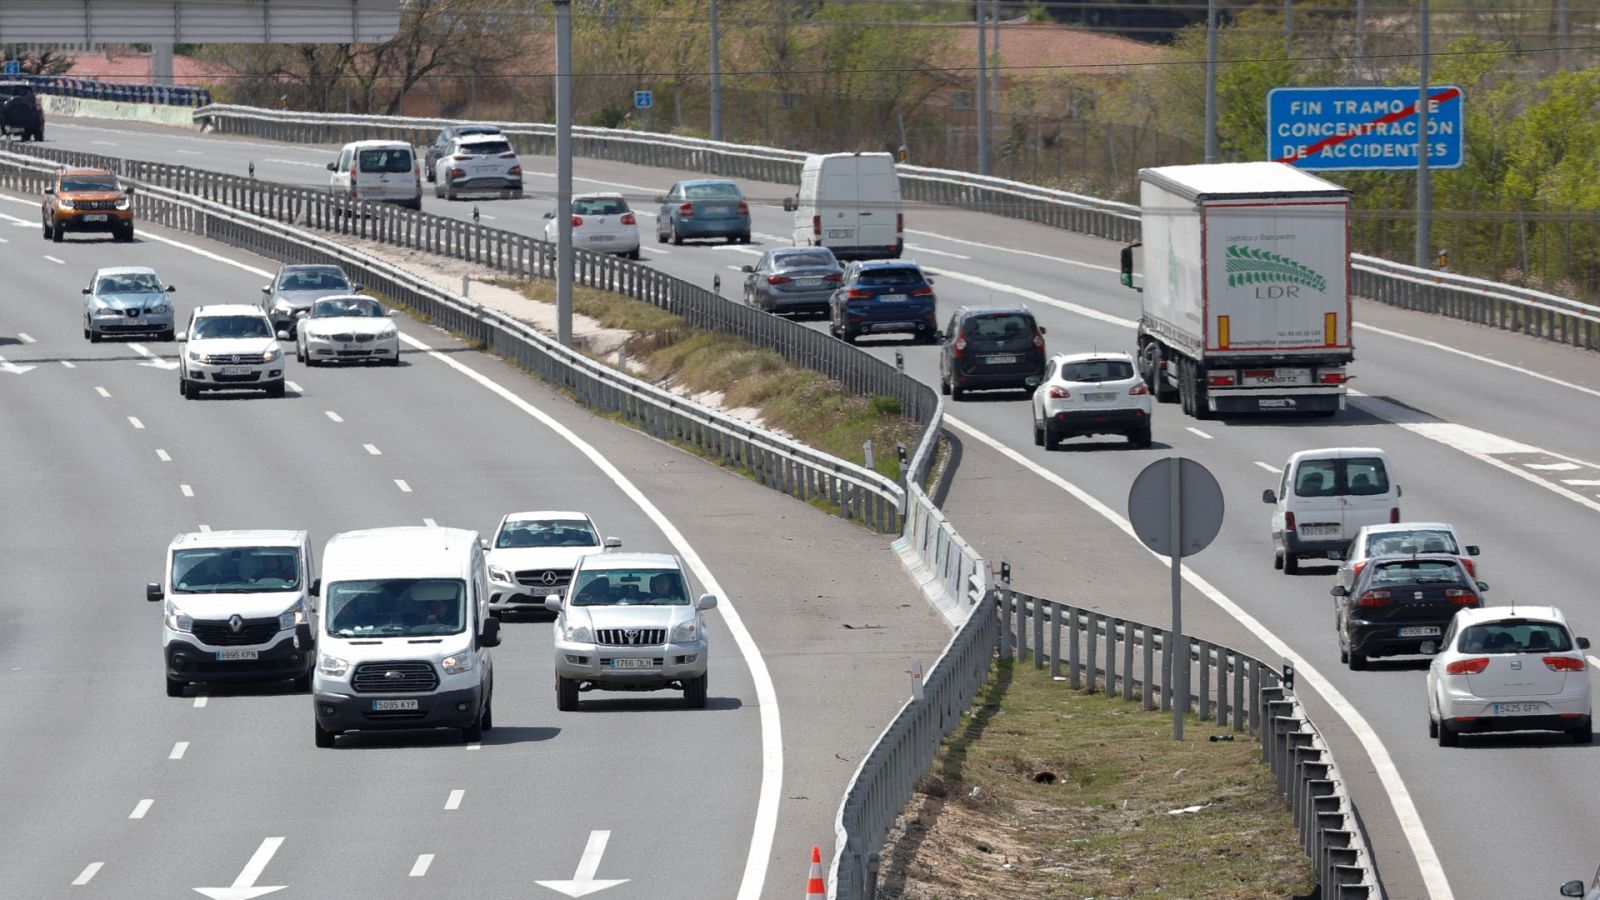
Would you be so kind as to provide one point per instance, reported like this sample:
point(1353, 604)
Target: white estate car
point(1509, 668)
point(601, 222)
point(478, 164)
point(534, 553)
point(628, 622)
point(346, 328)
point(1401, 539)
point(230, 346)
point(1091, 393)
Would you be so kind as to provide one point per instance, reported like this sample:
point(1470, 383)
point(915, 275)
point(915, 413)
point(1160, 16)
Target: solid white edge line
point(1269, 467)
point(178, 750)
point(1435, 345)
point(1045, 256)
point(142, 807)
point(1433, 874)
point(420, 867)
point(456, 796)
point(88, 873)
point(766, 820)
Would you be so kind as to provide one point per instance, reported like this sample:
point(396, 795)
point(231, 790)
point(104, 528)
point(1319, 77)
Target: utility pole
point(1424, 177)
point(1288, 29)
point(1211, 81)
point(994, 60)
point(716, 78)
point(1361, 40)
point(564, 172)
point(161, 64)
point(983, 88)
point(1563, 33)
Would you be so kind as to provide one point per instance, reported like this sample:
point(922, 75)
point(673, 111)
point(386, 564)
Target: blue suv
point(884, 297)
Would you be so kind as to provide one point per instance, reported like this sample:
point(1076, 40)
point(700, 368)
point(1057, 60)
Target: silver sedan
point(793, 280)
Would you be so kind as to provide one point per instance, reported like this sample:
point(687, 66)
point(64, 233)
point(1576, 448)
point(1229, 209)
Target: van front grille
point(397, 677)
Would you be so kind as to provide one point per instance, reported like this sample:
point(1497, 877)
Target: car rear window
point(1418, 571)
point(1097, 370)
point(1400, 543)
point(889, 276)
point(1366, 476)
point(485, 148)
point(1317, 478)
point(1515, 636)
point(998, 325)
point(16, 90)
point(803, 260)
point(721, 190)
point(599, 206)
point(387, 159)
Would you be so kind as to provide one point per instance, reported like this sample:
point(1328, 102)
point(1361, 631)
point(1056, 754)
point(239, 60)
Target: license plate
point(1099, 398)
point(99, 217)
point(999, 360)
point(1322, 530)
point(633, 664)
point(1517, 709)
point(719, 210)
point(1276, 376)
point(600, 237)
point(544, 590)
point(892, 298)
point(388, 705)
point(841, 232)
point(807, 282)
point(229, 655)
point(1420, 631)
point(234, 370)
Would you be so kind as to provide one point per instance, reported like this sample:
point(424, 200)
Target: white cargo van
point(849, 203)
point(1324, 497)
point(231, 603)
point(380, 171)
point(404, 633)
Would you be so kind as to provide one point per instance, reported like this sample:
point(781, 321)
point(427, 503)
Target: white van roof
point(243, 537)
point(1337, 453)
point(819, 158)
point(405, 551)
point(375, 145)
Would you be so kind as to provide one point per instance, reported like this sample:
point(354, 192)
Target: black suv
point(20, 111)
point(445, 141)
point(991, 347)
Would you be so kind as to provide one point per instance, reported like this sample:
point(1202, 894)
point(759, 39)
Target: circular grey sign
point(1199, 510)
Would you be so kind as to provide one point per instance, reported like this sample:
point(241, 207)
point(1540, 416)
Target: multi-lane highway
point(115, 790)
point(1487, 429)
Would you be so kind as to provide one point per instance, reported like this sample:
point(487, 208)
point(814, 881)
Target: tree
point(36, 61)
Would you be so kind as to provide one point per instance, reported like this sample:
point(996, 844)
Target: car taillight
point(458, 173)
point(1288, 521)
point(1473, 666)
point(1356, 569)
point(1060, 393)
point(778, 279)
point(686, 210)
point(1394, 515)
point(1038, 339)
point(922, 292)
point(576, 221)
point(628, 219)
point(509, 155)
point(1471, 566)
point(461, 157)
point(834, 277)
point(857, 294)
point(1332, 378)
point(1138, 390)
point(744, 208)
point(1459, 597)
point(1374, 598)
point(515, 170)
point(816, 226)
point(960, 345)
point(1563, 664)
point(1220, 380)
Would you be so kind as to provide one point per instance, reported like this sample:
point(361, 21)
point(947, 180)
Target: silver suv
point(629, 623)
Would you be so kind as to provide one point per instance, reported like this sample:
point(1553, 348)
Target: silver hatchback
point(127, 300)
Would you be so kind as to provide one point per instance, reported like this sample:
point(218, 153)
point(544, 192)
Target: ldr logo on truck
point(1274, 276)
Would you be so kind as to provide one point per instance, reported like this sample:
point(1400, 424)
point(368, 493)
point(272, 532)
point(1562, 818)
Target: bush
point(887, 406)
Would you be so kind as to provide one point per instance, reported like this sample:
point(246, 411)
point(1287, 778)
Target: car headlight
point(313, 337)
point(194, 357)
point(108, 311)
point(332, 666)
point(158, 308)
point(270, 355)
point(178, 620)
point(499, 574)
point(455, 665)
point(292, 616)
point(124, 202)
point(579, 634)
point(281, 303)
point(64, 202)
point(686, 632)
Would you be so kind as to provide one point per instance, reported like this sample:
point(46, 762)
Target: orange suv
point(87, 200)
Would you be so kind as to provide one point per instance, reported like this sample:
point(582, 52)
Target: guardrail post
point(1038, 633)
point(1074, 673)
point(1147, 683)
point(1111, 658)
point(1090, 640)
point(1205, 680)
point(1126, 636)
point(1055, 641)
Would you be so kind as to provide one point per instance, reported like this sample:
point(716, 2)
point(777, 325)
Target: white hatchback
point(1509, 668)
point(479, 164)
point(601, 222)
point(1091, 393)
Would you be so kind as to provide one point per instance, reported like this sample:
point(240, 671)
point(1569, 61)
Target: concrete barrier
point(85, 108)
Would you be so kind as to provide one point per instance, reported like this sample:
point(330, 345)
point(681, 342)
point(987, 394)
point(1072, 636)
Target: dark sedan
point(792, 280)
point(1401, 604)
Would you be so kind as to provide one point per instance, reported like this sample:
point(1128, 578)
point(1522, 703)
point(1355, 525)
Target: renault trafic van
point(849, 203)
point(380, 171)
point(231, 604)
point(1324, 496)
point(403, 633)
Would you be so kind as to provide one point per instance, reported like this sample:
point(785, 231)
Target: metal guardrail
point(119, 92)
point(1476, 300)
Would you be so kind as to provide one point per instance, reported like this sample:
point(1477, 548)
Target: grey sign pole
point(1180, 644)
point(1424, 177)
point(564, 172)
point(716, 77)
point(1211, 81)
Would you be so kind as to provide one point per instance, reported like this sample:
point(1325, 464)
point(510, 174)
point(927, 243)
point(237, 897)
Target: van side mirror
point(1482, 585)
point(789, 205)
point(153, 592)
point(1267, 496)
point(612, 543)
point(304, 641)
point(741, 268)
point(316, 587)
point(490, 636)
point(1572, 889)
point(50, 189)
point(88, 290)
point(1472, 549)
point(707, 601)
point(171, 288)
point(333, 167)
point(283, 335)
point(552, 602)
point(1127, 265)
point(1339, 590)
point(1336, 555)
point(549, 215)
point(181, 336)
point(266, 289)
point(1583, 643)
point(129, 189)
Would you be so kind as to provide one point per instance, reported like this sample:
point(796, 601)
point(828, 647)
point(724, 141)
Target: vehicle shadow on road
point(1521, 741)
point(518, 734)
point(658, 703)
point(1404, 664)
point(1078, 445)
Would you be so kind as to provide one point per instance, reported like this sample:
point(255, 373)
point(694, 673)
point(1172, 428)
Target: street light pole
point(716, 78)
point(983, 88)
point(1211, 81)
point(564, 172)
point(1424, 177)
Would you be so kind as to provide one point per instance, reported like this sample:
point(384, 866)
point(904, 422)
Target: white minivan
point(231, 603)
point(403, 633)
point(849, 203)
point(380, 171)
point(1324, 497)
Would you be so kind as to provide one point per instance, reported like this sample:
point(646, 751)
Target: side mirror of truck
point(1267, 496)
point(788, 204)
point(1127, 265)
point(490, 636)
point(153, 592)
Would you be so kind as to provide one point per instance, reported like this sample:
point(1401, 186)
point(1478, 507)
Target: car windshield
point(599, 206)
point(998, 326)
point(805, 259)
point(360, 307)
point(547, 533)
point(714, 190)
point(629, 587)
point(1515, 636)
point(386, 159)
point(888, 276)
point(89, 183)
point(484, 148)
point(1421, 540)
point(235, 570)
point(313, 280)
point(128, 283)
point(396, 607)
point(230, 327)
point(1093, 370)
point(1418, 571)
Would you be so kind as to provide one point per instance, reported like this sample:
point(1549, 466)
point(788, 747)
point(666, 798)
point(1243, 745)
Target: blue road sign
point(1356, 128)
point(13, 67)
point(643, 99)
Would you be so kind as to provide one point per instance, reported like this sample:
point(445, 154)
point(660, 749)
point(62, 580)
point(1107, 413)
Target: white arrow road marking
point(151, 360)
point(88, 872)
point(583, 881)
point(13, 368)
point(244, 887)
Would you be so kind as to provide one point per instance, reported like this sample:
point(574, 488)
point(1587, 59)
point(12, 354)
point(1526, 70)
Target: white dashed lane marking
point(188, 491)
point(401, 484)
point(69, 364)
point(420, 867)
point(88, 873)
point(26, 339)
point(59, 262)
point(430, 523)
point(455, 799)
point(134, 421)
point(1197, 432)
point(162, 455)
point(102, 391)
point(142, 807)
point(333, 416)
point(1554, 467)
point(372, 449)
point(1269, 467)
point(199, 701)
point(178, 750)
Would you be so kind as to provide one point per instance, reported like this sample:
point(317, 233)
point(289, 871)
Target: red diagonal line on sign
point(1443, 96)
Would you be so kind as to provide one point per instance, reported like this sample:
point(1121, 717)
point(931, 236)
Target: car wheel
point(661, 236)
point(275, 389)
point(450, 194)
point(438, 191)
point(566, 694)
point(1358, 661)
point(47, 231)
point(58, 234)
point(174, 687)
point(474, 733)
point(848, 334)
point(744, 238)
point(1448, 738)
point(1433, 727)
point(488, 712)
point(169, 335)
point(392, 361)
point(1291, 563)
point(957, 393)
point(1052, 438)
point(299, 354)
point(1140, 438)
point(95, 337)
point(1277, 563)
point(677, 239)
point(694, 692)
point(125, 235)
point(1038, 434)
point(302, 684)
point(190, 390)
point(324, 736)
point(1344, 656)
point(944, 387)
point(634, 254)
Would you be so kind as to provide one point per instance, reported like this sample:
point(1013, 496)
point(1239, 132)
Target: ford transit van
point(849, 203)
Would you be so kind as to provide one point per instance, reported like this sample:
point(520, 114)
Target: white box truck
point(1246, 288)
point(849, 203)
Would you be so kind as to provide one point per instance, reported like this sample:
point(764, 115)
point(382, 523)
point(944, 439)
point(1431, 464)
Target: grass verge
point(1045, 792)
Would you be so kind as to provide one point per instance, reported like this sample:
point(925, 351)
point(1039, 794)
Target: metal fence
point(119, 92)
point(1441, 293)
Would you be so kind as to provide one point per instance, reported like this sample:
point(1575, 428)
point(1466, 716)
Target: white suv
point(478, 164)
point(1091, 393)
point(629, 623)
point(230, 346)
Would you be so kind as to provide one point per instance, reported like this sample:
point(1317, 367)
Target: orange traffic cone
point(814, 885)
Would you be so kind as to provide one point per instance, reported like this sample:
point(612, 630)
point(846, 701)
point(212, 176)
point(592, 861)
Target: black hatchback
point(991, 347)
point(1401, 604)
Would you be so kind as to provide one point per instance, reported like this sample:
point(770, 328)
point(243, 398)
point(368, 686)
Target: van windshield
point(387, 159)
point(630, 587)
point(396, 607)
point(235, 570)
